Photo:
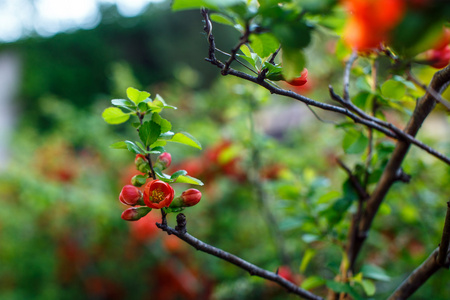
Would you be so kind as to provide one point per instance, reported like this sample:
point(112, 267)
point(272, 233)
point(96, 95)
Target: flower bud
point(141, 163)
point(135, 213)
point(188, 198)
point(164, 160)
point(130, 195)
point(138, 180)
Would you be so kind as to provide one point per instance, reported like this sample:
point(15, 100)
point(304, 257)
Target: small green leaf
point(368, 286)
point(143, 106)
point(137, 96)
point(375, 272)
point(188, 179)
point(264, 44)
point(149, 132)
point(123, 103)
point(114, 115)
point(177, 174)
point(190, 4)
point(312, 282)
point(354, 142)
point(133, 147)
point(165, 125)
point(293, 63)
point(221, 19)
point(162, 176)
point(119, 145)
point(185, 138)
point(156, 150)
point(244, 48)
point(309, 254)
point(393, 89)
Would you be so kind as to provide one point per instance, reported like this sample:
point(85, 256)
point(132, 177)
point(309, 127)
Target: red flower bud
point(130, 195)
point(188, 198)
point(141, 163)
point(191, 197)
point(299, 81)
point(164, 160)
point(135, 213)
point(158, 194)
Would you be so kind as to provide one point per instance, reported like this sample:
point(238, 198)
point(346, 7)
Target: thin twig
point(237, 60)
point(254, 270)
point(348, 67)
point(445, 240)
point(355, 182)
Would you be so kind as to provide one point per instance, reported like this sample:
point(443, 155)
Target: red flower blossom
point(188, 198)
point(164, 160)
point(158, 194)
point(301, 80)
point(371, 21)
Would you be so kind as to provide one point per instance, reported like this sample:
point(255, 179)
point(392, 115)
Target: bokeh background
point(61, 236)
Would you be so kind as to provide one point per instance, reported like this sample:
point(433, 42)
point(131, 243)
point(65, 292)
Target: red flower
point(158, 194)
point(439, 58)
point(130, 195)
point(301, 80)
point(371, 21)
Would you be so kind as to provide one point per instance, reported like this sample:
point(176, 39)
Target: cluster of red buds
point(156, 194)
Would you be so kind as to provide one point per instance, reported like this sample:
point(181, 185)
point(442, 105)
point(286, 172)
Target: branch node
point(181, 224)
point(400, 175)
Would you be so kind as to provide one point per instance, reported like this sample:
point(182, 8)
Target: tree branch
point(445, 240)
point(425, 105)
point(360, 117)
point(418, 277)
point(180, 232)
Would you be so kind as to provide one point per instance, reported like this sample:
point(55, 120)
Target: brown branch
point(418, 277)
point(436, 96)
point(180, 232)
point(425, 105)
point(445, 240)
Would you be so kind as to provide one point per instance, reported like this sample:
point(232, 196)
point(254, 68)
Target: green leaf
point(162, 176)
point(375, 272)
point(190, 4)
point(186, 139)
point(137, 96)
point(188, 179)
point(143, 106)
point(343, 288)
point(221, 19)
point(264, 44)
point(244, 48)
point(309, 254)
point(119, 145)
point(211, 4)
point(354, 142)
point(156, 150)
point(123, 103)
point(133, 147)
point(165, 125)
point(177, 174)
point(149, 132)
point(293, 63)
point(368, 286)
point(393, 89)
point(312, 282)
point(113, 115)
